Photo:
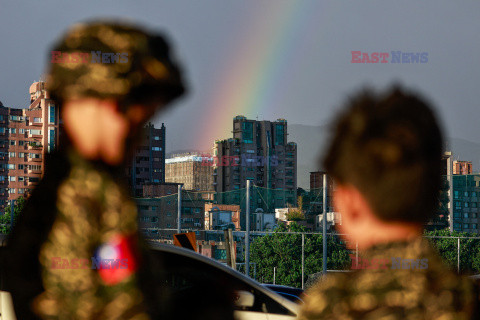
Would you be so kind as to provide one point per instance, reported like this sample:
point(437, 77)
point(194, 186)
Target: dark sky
point(271, 59)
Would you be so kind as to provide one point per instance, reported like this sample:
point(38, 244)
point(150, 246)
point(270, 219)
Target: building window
point(156, 149)
point(11, 178)
point(11, 166)
point(21, 155)
point(36, 132)
point(279, 134)
point(465, 215)
point(11, 154)
point(21, 178)
point(21, 190)
point(465, 226)
point(466, 204)
point(51, 111)
point(51, 140)
point(21, 142)
point(37, 120)
point(11, 190)
point(21, 131)
point(247, 132)
point(2, 130)
point(156, 138)
point(35, 155)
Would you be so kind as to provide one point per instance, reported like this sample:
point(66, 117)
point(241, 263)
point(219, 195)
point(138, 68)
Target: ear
point(349, 202)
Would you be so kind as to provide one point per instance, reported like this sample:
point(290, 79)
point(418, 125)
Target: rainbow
point(258, 67)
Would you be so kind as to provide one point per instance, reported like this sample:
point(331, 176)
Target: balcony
point(34, 145)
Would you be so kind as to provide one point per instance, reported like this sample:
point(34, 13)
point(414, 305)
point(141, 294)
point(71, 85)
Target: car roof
point(291, 306)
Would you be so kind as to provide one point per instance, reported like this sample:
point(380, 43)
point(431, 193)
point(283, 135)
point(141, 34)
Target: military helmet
point(113, 60)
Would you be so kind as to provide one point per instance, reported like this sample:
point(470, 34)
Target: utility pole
point(12, 207)
point(247, 232)
point(324, 231)
point(179, 209)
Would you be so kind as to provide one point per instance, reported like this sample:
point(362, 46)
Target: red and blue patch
point(117, 259)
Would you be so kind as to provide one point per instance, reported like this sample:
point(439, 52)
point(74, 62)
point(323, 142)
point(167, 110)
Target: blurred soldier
point(75, 252)
point(385, 158)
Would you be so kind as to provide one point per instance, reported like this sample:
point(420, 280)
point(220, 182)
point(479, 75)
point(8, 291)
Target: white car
point(193, 275)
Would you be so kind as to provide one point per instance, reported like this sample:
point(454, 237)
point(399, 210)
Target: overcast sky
point(271, 58)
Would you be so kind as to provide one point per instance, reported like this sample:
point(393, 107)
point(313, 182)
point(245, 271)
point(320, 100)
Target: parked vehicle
point(291, 293)
point(191, 275)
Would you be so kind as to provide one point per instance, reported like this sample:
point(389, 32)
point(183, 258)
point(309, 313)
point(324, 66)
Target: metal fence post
point(274, 269)
point(247, 232)
point(324, 231)
point(458, 254)
point(179, 209)
point(303, 258)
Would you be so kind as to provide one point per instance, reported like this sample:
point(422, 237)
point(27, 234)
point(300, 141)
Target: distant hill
point(311, 142)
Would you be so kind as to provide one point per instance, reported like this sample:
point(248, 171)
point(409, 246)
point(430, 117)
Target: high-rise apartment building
point(259, 151)
point(462, 167)
point(25, 136)
point(193, 170)
point(148, 163)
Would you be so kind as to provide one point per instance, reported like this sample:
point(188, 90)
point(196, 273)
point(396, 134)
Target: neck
point(384, 232)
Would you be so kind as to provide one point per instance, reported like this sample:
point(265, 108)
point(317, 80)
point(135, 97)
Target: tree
point(5, 220)
point(296, 214)
point(283, 251)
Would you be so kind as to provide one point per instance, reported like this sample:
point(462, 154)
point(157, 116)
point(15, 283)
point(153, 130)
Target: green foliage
point(447, 248)
point(296, 214)
point(284, 251)
point(5, 219)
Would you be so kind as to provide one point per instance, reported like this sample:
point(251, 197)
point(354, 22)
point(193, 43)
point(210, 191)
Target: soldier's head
point(109, 78)
point(385, 157)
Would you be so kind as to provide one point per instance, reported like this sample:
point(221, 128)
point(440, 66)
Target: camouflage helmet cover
point(113, 60)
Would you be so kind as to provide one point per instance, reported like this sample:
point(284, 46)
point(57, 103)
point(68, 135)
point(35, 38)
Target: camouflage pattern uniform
point(81, 205)
point(387, 292)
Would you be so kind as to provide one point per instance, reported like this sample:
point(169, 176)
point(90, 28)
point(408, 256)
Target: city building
point(148, 163)
point(158, 213)
point(222, 216)
point(259, 151)
point(462, 167)
point(459, 197)
point(313, 200)
point(193, 170)
point(26, 135)
point(466, 203)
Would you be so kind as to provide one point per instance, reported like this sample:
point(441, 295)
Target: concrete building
point(466, 203)
point(193, 170)
point(219, 216)
point(148, 163)
point(259, 151)
point(161, 211)
point(314, 200)
point(25, 136)
point(462, 167)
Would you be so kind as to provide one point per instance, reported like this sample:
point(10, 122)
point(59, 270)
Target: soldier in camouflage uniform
point(81, 213)
point(385, 157)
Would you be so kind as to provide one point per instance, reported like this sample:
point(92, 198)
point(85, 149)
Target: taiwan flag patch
point(117, 259)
